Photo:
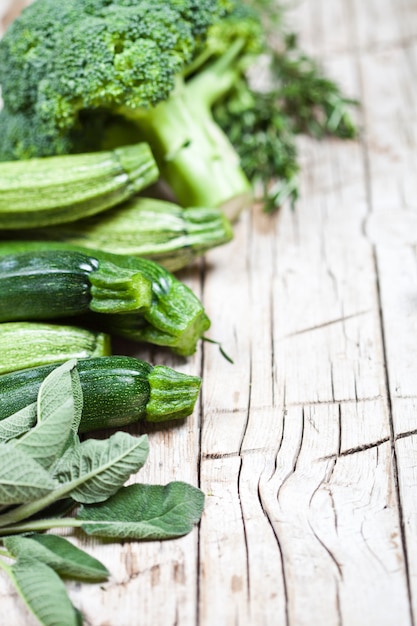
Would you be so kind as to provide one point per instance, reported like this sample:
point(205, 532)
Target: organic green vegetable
point(48, 284)
point(146, 227)
point(44, 464)
point(29, 344)
point(117, 390)
point(174, 317)
point(53, 190)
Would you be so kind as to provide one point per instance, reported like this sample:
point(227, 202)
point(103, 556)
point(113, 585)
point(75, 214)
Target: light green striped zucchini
point(58, 189)
point(30, 344)
point(145, 227)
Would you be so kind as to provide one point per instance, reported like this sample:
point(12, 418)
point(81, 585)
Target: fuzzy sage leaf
point(96, 469)
point(63, 382)
point(145, 512)
point(59, 553)
point(22, 479)
point(43, 592)
point(19, 423)
point(59, 414)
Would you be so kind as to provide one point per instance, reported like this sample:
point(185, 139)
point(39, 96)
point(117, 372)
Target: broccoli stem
point(194, 155)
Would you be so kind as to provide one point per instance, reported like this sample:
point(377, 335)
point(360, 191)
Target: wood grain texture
point(306, 447)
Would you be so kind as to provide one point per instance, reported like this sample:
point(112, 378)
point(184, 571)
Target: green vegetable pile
point(132, 135)
point(91, 74)
point(46, 471)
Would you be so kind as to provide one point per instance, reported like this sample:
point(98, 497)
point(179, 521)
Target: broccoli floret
point(69, 69)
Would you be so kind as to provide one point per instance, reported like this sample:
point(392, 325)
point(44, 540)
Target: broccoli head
point(60, 58)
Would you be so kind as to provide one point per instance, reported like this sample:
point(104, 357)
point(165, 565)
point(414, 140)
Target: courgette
point(117, 391)
point(49, 284)
point(175, 317)
point(58, 189)
point(30, 344)
point(145, 227)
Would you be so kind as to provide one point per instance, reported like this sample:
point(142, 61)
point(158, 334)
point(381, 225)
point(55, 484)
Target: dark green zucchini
point(174, 318)
point(49, 284)
point(117, 391)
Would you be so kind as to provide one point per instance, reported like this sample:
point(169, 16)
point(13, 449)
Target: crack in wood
point(355, 450)
point(330, 457)
point(405, 397)
point(238, 453)
point(283, 406)
point(285, 584)
point(366, 446)
point(296, 456)
point(338, 320)
point(340, 401)
point(395, 465)
point(408, 433)
point(329, 552)
point(371, 551)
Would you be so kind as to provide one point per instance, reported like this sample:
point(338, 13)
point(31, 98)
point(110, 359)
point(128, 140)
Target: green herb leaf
point(44, 593)
point(59, 553)
point(98, 468)
point(22, 479)
point(145, 512)
point(56, 388)
point(59, 406)
point(221, 349)
point(63, 382)
point(19, 423)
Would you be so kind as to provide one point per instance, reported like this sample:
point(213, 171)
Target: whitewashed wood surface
point(306, 447)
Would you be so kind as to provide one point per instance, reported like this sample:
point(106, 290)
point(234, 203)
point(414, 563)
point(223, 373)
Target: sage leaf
point(22, 479)
point(19, 423)
point(59, 553)
point(44, 593)
point(98, 468)
point(145, 512)
point(58, 406)
point(63, 382)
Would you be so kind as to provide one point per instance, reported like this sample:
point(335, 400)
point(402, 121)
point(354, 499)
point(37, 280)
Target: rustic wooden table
point(306, 447)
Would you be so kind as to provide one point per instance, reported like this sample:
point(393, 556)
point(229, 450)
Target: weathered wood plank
point(389, 77)
point(323, 306)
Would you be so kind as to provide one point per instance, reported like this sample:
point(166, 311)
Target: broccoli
point(89, 74)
